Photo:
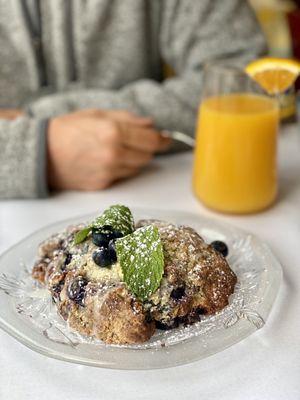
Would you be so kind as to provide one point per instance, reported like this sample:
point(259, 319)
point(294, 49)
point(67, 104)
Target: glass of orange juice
point(235, 166)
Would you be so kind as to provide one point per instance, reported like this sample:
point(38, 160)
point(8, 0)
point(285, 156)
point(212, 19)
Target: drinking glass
point(235, 160)
point(298, 113)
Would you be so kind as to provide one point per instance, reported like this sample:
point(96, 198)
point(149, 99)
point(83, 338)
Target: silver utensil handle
point(180, 137)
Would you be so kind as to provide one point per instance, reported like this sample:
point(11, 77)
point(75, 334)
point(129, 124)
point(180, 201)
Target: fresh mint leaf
point(117, 216)
point(82, 235)
point(142, 261)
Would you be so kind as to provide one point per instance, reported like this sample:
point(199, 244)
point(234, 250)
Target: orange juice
point(235, 155)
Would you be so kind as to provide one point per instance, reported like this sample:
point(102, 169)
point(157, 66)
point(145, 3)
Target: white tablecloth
point(266, 365)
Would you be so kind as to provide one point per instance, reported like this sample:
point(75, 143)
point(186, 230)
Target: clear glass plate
point(28, 314)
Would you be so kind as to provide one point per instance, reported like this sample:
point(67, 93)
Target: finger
point(94, 186)
point(117, 115)
point(126, 172)
point(144, 139)
point(125, 116)
point(89, 112)
point(164, 143)
point(106, 179)
point(134, 159)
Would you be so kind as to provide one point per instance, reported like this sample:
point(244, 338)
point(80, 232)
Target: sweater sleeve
point(191, 33)
point(23, 158)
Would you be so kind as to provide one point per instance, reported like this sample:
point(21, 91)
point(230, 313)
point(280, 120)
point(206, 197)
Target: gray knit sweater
point(62, 55)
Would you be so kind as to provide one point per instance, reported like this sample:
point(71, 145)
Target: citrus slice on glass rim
point(274, 75)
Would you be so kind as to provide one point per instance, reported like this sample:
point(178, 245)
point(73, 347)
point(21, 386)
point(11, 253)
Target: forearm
point(145, 98)
point(23, 158)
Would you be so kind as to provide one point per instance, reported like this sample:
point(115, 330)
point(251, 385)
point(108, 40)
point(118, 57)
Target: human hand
point(10, 113)
point(90, 149)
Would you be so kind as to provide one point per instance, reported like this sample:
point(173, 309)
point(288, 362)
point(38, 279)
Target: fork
point(179, 136)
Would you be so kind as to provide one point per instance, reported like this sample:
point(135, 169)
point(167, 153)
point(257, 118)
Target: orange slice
point(275, 75)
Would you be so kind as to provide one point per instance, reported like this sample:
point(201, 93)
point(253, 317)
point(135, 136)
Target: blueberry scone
point(118, 281)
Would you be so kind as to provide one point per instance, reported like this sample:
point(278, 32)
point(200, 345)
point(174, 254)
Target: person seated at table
point(82, 87)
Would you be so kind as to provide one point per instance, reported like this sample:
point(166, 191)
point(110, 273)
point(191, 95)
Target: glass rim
point(223, 65)
point(225, 70)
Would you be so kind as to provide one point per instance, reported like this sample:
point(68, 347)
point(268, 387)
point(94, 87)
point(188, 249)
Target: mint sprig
point(117, 216)
point(82, 235)
point(142, 261)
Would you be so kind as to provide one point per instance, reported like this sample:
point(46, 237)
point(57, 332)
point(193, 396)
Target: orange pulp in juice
point(235, 155)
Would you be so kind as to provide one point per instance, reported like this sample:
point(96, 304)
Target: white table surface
point(266, 365)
